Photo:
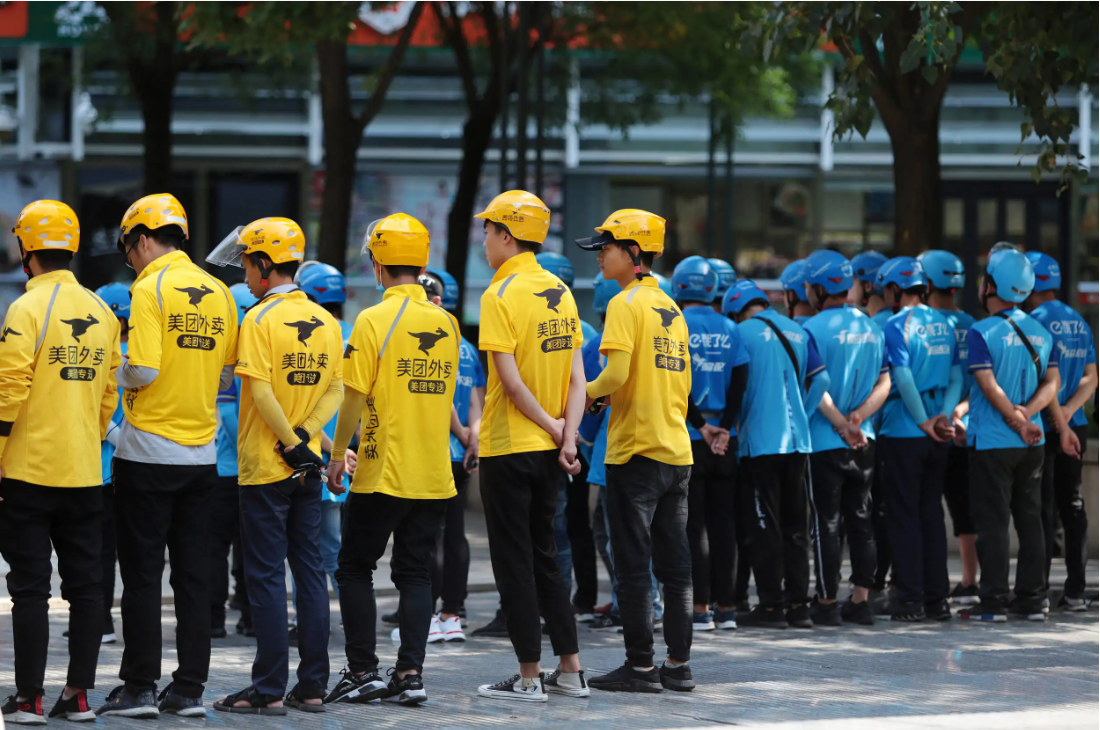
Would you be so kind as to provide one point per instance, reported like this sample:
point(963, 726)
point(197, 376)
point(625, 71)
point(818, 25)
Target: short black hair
point(287, 268)
point(920, 290)
point(525, 246)
point(53, 259)
point(646, 257)
point(170, 236)
point(398, 271)
point(336, 309)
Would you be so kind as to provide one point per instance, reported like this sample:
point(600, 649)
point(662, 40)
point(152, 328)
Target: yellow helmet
point(398, 240)
point(280, 238)
point(48, 225)
point(154, 211)
point(524, 215)
point(630, 224)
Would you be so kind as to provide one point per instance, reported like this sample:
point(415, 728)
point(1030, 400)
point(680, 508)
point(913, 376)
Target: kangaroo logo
point(80, 326)
point(667, 316)
point(195, 294)
point(552, 296)
point(348, 350)
point(8, 331)
point(428, 339)
point(305, 329)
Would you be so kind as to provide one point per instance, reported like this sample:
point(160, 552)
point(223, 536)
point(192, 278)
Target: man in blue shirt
point(1015, 368)
point(719, 370)
point(866, 292)
point(843, 459)
point(727, 277)
point(793, 281)
point(916, 426)
point(774, 441)
point(1062, 472)
point(946, 276)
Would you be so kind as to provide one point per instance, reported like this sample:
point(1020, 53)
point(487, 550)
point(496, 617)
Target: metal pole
point(540, 114)
point(711, 182)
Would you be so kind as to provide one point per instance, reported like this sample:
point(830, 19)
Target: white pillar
point(76, 124)
point(573, 117)
point(314, 127)
point(27, 101)
point(828, 83)
point(1084, 125)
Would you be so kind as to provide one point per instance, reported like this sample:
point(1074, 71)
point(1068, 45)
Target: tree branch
point(880, 91)
point(452, 28)
point(871, 57)
point(967, 17)
point(389, 71)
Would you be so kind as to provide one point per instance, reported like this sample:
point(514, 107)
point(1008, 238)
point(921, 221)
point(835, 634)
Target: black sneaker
point(765, 618)
point(606, 622)
point(628, 679)
point(218, 632)
point(825, 614)
point(988, 611)
point(408, 691)
point(121, 703)
point(292, 635)
point(880, 602)
point(1073, 605)
point(964, 595)
point(940, 611)
point(177, 704)
point(798, 617)
point(858, 613)
point(514, 688)
point(911, 613)
point(495, 628)
point(357, 687)
point(742, 608)
point(24, 713)
point(552, 684)
point(677, 678)
point(74, 709)
point(245, 628)
point(1030, 610)
point(393, 619)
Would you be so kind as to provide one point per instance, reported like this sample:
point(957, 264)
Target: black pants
point(520, 495)
point(158, 506)
point(224, 527)
point(912, 482)
point(599, 532)
point(743, 519)
point(451, 566)
point(1062, 489)
point(281, 522)
point(369, 520)
point(1007, 484)
point(883, 552)
point(711, 527)
point(578, 524)
point(32, 518)
point(108, 555)
point(780, 534)
point(956, 490)
point(840, 482)
point(647, 510)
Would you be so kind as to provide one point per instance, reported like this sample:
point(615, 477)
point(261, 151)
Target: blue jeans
point(658, 606)
point(561, 537)
point(329, 542)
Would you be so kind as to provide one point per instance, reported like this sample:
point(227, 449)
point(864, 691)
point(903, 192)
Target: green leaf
point(930, 73)
point(1036, 174)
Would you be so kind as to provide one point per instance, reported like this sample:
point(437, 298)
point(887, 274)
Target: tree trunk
point(918, 199)
point(342, 138)
point(477, 135)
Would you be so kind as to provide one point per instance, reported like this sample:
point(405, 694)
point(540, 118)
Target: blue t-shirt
point(962, 322)
point(716, 349)
point(594, 428)
point(921, 339)
point(802, 319)
point(854, 351)
point(994, 345)
point(1076, 349)
point(470, 375)
point(588, 332)
point(330, 431)
point(773, 418)
point(108, 452)
point(225, 440)
point(881, 318)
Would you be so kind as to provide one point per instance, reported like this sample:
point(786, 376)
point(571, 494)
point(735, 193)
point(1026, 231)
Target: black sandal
point(258, 704)
point(297, 697)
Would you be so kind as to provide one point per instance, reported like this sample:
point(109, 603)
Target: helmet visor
point(367, 236)
point(228, 252)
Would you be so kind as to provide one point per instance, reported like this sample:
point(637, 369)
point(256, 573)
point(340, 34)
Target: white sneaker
point(515, 688)
point(452, 629)
point(435, 631)
point(570, 685)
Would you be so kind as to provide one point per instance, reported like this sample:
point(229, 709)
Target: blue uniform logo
point(1075, 349)
point(716, 349)
point(921, 339)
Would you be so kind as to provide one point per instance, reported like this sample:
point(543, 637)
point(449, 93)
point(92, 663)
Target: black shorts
point(956, 490)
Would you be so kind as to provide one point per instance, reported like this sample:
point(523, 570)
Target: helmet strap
point(819, 290)
point(787, 294)
point(636, 258)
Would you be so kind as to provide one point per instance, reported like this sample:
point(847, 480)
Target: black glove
point(300, 458)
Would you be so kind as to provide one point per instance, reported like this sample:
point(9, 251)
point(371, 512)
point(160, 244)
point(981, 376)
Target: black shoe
point(880, 602)
point(292, 635)
point(677, 678)
point(24, 713)
point(393, 619)
point(296, 698)
point(1073, 605)
point(743, 608)
point(964, 595)
point(552, 684)
point(74, 709)
point(1030, 610)
point(121, 703)
point(495, 628)
point(245, 628)
point(408, 691)
point(515, 689)
point(798, 617)
point(939, 611)
point(357, 687)
point(177, 704)
point(988, 611)
point(607, 622)
point(628, 679)
point(765, 618)
point(911, 613)
point(218, 632)
point(858, 613)
point(825, 614)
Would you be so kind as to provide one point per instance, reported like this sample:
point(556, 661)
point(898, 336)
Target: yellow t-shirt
point(183, 323)
point(527, 312)
point(403, 354)
point(58, 354)
point(648, 414)
point(296, 346)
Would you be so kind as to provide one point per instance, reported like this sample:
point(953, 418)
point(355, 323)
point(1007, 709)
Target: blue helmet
point(323, 282)
point(1012, 273)
point(865, 266)
point(450, 289)
point(695, 280)
point(243, 299)
point(727, 277)
point(741, 294)
point(793, 279)
point(905, 271)
point(117, 297)
point(603, 291)
point(943, 269)
point(1048, 275)
point(829, 270)
point(557, 265)
point(664, 284)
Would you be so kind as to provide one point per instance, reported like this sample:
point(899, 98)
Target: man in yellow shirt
point(648, 379)
point(291, 370)
point(182, 348)
point(399, 374)
point(533, 406)
point(59, 349)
